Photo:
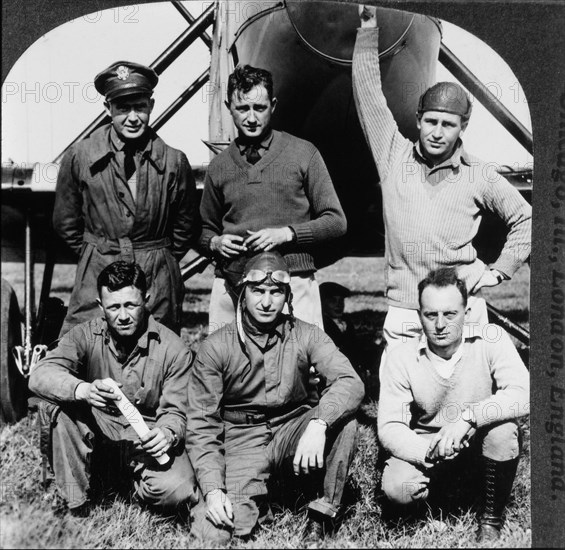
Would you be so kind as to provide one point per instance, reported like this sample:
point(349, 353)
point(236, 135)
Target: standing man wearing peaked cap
point(434, 193)
point(124, 194)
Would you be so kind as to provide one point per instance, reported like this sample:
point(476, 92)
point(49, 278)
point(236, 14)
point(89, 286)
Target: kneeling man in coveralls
point(252, 411)
point(150, 363)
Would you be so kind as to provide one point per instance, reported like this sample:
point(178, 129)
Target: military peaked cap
point(125, 78)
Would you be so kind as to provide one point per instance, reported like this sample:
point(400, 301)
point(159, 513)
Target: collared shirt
point(262, 147)
point(274, 382)
point(153, 377)
point(122, 148)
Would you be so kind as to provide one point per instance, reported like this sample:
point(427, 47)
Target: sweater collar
point(277, 144)
point(243, 143)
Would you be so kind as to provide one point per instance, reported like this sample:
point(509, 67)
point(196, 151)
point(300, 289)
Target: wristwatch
point(469, 416)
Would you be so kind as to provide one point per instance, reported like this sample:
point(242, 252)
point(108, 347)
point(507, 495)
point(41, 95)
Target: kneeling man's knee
point(404, 489)
point(501, 441)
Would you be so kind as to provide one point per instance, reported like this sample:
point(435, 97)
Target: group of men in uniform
point(247, 406)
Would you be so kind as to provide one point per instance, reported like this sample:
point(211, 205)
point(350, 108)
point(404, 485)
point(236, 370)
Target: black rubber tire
point(13, 386)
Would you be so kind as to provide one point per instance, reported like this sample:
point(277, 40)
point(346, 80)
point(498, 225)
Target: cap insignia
point(122, 72)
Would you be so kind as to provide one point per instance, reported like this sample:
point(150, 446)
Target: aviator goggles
point(258, 276)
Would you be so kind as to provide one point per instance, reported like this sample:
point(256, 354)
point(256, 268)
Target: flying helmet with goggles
point(266, 267)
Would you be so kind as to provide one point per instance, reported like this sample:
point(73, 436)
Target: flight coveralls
point(248, 409)
point(97, 216)
point(154, 379)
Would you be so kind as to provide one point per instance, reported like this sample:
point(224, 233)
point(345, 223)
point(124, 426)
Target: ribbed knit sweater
point(490, 377)
point(289, 186)
point(431, 214)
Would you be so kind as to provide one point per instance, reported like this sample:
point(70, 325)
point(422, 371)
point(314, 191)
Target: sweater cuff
point(303, 233)
point(204, 243)
point(507, 264)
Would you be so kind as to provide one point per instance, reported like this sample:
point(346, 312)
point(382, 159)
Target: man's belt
point(124, 245)
point(272, 418)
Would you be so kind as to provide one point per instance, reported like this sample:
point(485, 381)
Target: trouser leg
point(338, 454)
point(246, 475)
point(72, 446)
point(403, 483)
point(169, 486)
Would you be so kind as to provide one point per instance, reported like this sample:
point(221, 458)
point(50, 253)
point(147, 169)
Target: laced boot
point(498, 479)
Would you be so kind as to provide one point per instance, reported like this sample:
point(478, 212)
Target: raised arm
point(377, 121)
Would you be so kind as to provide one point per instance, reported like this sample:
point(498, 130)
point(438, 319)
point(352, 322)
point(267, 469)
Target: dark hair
point(246, 77)
point(442, 277)
point(121, 274)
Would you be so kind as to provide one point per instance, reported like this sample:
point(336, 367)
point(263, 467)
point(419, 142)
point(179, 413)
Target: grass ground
point(32, 517)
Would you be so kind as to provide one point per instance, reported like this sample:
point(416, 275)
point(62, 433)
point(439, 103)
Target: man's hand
point(491, 277)
point(220, 511)
point(156, 442)
point(309, 454)
point(97, 394)
point(368, 16)
point(269, 238)
point(450, 440)
point(229, 246)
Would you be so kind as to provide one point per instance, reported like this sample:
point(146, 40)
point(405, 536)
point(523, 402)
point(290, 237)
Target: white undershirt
point(445, 367)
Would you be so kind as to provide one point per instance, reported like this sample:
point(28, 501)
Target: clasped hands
point(101, 396)
point(231, 246)
point(450, 441)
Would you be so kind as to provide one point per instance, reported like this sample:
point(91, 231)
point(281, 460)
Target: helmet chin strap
point(239, 319)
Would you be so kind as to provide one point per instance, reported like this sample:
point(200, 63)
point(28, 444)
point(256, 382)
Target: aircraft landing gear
point(13, 385)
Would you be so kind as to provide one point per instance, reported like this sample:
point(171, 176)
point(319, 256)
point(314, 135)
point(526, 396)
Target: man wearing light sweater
point(434, 192)
point(461, 385)
point(267, 191)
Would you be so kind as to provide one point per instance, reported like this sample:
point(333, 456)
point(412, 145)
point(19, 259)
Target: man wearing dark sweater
point(267, 191)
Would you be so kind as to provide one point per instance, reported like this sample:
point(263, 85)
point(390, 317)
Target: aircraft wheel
point(13, 386)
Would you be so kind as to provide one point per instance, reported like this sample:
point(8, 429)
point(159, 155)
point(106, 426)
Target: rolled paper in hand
point(133, 416)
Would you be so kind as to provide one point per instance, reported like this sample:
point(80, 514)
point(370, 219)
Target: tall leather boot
point(498, 478)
